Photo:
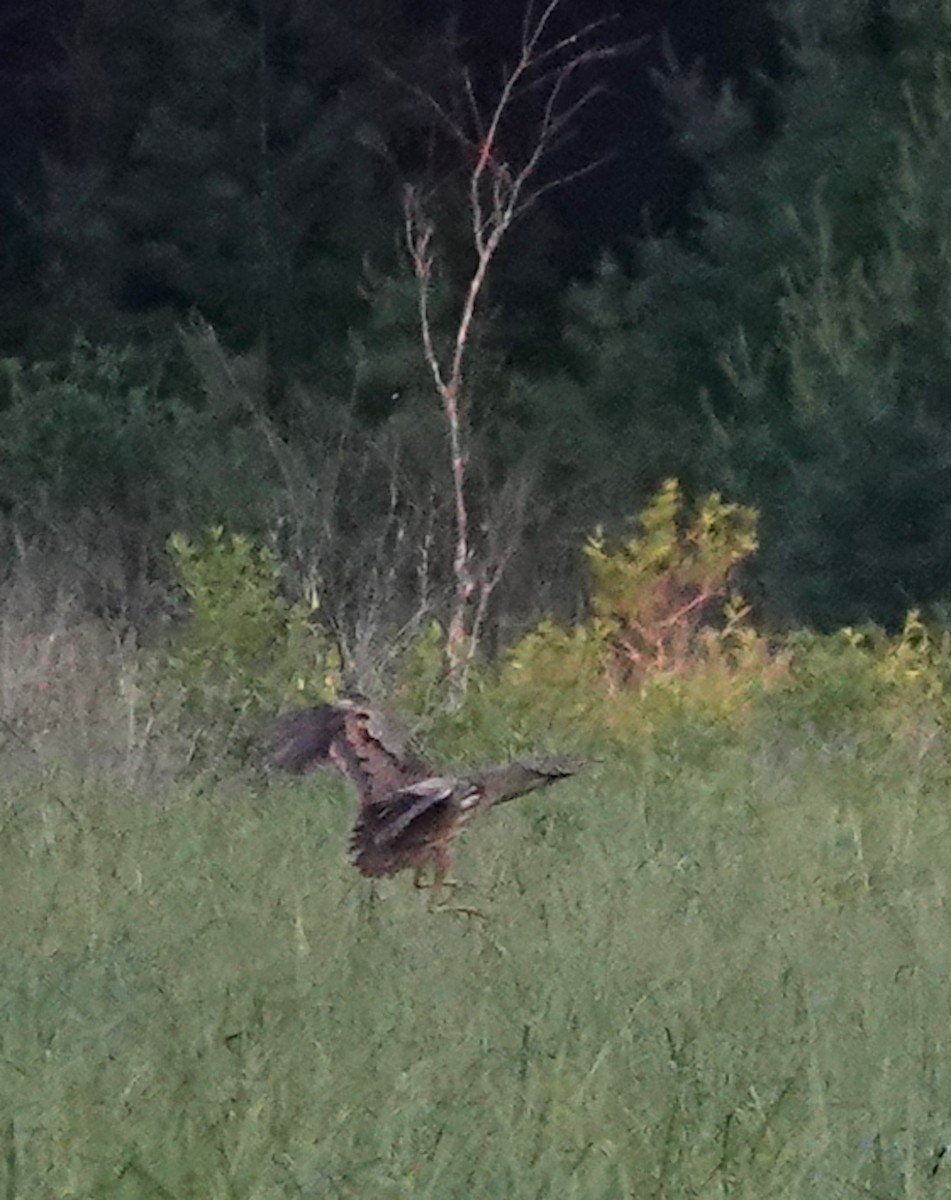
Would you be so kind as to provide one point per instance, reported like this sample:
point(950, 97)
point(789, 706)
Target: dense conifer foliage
point(209, 198)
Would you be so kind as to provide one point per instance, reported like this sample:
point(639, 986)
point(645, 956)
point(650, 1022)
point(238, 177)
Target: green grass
point(709, 972)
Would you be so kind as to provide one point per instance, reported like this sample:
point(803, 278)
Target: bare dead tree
point(541, 97)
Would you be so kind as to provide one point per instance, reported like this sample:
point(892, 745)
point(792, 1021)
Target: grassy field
point(709, 971)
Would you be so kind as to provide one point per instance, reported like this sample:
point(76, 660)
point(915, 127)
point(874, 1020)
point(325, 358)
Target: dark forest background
point(207, 315)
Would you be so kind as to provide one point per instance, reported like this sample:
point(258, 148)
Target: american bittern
point(409, 815)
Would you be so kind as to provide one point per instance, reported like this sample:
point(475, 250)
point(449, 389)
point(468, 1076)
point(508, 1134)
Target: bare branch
point(418, 232)
point(562, 181)
point(474, 111)
point(503, 183)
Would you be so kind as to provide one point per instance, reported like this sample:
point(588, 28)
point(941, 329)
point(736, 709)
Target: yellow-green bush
point(667, 651)
point(863, 676)
point(656, 591)
point(668, 637)
point(669, 646)
point(244, 646)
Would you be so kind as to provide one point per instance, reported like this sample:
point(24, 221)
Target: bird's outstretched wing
point(388, 821)
point(300, 741)
point(365, 743)
point(388, 835)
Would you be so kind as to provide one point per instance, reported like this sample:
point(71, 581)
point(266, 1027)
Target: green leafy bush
point(81, 432)
point(559, 670)
point(420, 669)
point(245, 647)
point(917, 660)
point(862, 677)
point(671, 579)
point(668, 637)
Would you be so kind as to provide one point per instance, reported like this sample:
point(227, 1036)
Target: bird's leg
point(425, 885)
point(465, 910)
point(441, 881)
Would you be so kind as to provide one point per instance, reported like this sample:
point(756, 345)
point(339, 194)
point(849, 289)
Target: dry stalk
point(503, 183)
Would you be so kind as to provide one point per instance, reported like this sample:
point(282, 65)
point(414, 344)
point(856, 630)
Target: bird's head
point(526, 775)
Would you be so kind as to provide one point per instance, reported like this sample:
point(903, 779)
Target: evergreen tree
point(801, 324)
point(244, 177)
point(713, 289)
point(864, 530)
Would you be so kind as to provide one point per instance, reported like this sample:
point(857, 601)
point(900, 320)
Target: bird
point(410, 814)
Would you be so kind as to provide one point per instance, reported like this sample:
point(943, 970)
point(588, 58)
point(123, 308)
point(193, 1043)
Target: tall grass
point(709, 969)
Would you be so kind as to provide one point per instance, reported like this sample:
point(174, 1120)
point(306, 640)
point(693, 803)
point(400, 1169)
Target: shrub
point(245, 648)
point(82, 432)
point(668, 637)
point(861, 679)
point(657, 590)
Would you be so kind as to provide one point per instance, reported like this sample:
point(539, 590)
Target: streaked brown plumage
point(409, 814)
